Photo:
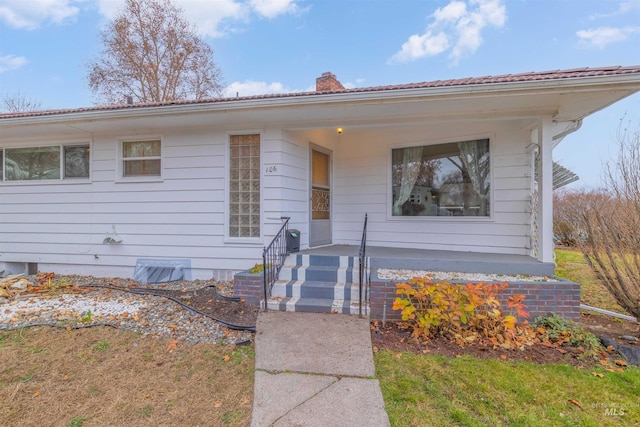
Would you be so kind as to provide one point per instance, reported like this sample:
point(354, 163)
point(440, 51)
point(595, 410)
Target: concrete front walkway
point(315, 370)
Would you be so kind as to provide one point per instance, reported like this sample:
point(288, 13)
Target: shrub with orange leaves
point(464, 313)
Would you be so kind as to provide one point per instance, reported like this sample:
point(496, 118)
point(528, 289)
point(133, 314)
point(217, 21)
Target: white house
point(460, 165)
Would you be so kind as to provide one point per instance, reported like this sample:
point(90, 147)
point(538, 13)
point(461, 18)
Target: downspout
point(577, 124)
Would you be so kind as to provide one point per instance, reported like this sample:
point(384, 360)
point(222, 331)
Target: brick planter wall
point(249, 286)
point(542, 298)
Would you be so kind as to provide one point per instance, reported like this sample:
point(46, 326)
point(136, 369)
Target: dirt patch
point(601, 325)
point(395, 338)
point(104, 376)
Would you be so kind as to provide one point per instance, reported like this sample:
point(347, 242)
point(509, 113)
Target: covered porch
point(439, 260)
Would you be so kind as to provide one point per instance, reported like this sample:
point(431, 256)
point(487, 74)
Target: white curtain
point(411, 161)
point(471, 153)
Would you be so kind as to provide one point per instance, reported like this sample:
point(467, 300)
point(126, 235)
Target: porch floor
point(424, 259)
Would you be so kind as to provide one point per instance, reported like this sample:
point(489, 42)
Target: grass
point(102, 376)
point(422, 390)
point(571, 265)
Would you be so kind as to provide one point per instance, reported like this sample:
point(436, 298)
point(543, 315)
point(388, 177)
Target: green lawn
point(571, 265)
point(427, 390)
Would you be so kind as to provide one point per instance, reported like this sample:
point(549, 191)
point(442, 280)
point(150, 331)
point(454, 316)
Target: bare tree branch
point(17, 103)
point(153, 54)
point(605, 224)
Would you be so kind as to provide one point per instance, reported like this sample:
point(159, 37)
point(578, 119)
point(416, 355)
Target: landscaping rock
point(20, 285)
point(608, 341)
point(629, 338)
point(631, 354)
point(4, 300)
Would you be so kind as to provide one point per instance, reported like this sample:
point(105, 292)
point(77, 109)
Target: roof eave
point(630, 82)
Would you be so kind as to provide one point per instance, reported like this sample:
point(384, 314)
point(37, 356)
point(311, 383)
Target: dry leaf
point(375, 349)
point(173, 345)
point(503, 356)
point(575, 402)
point(398, 355)
point(36, 394)
point(217, 404)
point(65, 378)
point(147, 396)
point(136, 318)
point(597, 374)
point(620, 362)
point(226, 358)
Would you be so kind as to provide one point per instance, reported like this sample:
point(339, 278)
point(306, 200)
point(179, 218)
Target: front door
point(320, 228)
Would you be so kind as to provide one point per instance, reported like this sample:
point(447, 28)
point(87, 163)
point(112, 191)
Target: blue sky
point(272, 46)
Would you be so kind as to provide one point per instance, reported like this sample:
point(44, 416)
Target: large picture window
point(244, 186)
point(450, 179)
point(44, 163)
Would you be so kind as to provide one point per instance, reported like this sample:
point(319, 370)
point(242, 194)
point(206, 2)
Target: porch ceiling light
point(339, 130)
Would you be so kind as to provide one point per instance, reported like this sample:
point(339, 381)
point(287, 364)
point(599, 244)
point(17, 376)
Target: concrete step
point(316, 289)
point(315, 305)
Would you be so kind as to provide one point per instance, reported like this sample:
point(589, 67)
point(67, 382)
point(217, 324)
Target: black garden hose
point(146, 291)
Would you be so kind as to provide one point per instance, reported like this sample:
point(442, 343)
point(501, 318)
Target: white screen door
point(320, 228)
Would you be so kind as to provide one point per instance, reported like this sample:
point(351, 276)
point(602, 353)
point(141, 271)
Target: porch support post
point(545, 192)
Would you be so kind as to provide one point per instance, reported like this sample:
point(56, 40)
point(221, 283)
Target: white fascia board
point(629, 82)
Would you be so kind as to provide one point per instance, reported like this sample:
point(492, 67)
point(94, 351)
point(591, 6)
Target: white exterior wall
point(61, 225)
point(362, 185)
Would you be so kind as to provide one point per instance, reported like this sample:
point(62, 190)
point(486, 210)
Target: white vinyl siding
point(182, 216)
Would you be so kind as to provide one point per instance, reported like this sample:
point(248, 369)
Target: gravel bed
point(149, 315)
point(389, 274)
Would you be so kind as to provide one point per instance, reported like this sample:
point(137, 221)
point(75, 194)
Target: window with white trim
point(450, 179)
point(141, 158)
point(52, 162)
point(244, 185)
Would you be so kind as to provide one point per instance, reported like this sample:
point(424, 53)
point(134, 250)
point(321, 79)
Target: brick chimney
point(328, 82)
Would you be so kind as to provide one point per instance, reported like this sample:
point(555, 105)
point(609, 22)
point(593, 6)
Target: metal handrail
point(362, 263)
point(273, 258)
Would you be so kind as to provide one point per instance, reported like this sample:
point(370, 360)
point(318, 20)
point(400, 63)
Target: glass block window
point(244, 186)
point(141, 158)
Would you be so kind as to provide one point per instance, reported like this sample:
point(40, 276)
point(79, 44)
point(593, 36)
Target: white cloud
point(603, 36)
point(272, 8)
point(250, 88)
point(11, 62)
point(31, 14)
point(457, 26)
point(216, 18)
point(623, 7)
point(417, 46)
